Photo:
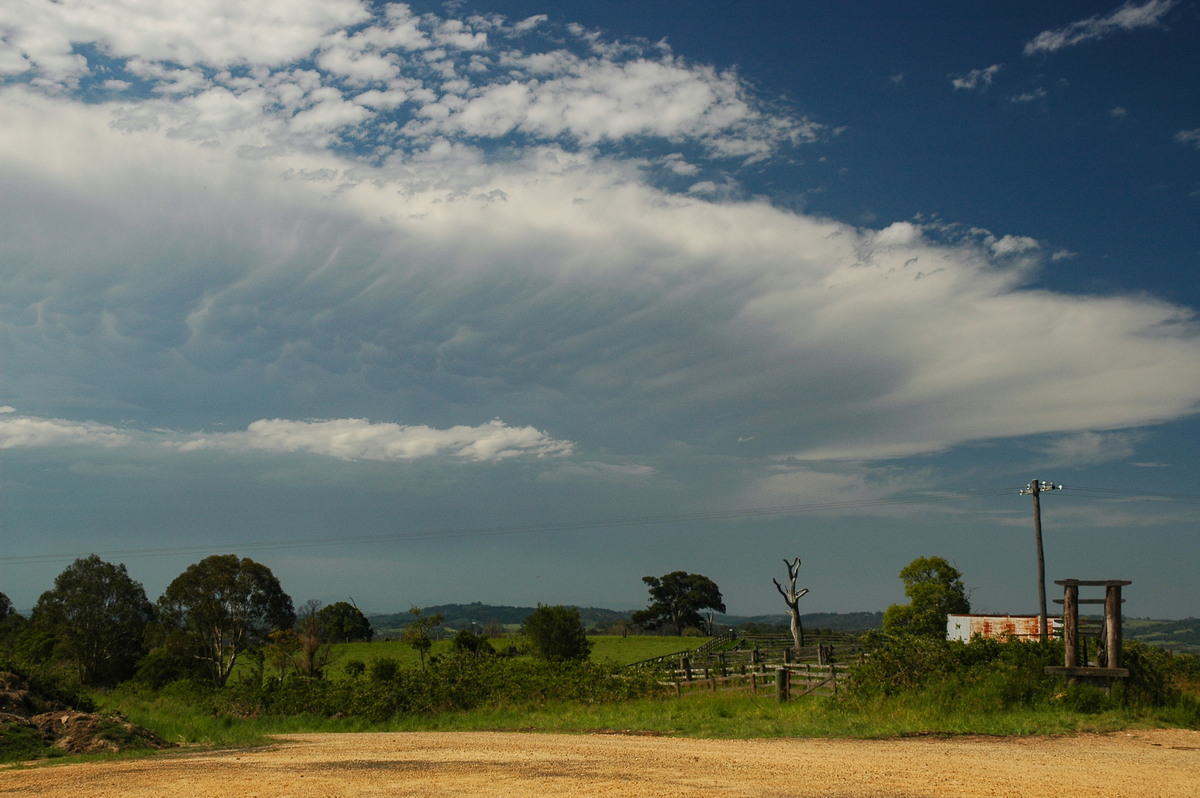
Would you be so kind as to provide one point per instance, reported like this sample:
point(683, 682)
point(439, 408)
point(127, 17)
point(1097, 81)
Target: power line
point(628, 521)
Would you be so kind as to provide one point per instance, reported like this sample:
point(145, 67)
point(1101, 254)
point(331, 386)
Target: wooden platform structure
point(1112, 629)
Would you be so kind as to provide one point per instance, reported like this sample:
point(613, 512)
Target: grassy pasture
point(605, 648)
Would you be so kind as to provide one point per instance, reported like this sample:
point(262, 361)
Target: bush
point(557, 634)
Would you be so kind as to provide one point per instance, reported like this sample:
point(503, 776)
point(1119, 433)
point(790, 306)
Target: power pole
point(1035, 489)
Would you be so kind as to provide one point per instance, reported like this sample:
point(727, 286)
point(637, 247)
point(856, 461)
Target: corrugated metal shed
point(1022, 627)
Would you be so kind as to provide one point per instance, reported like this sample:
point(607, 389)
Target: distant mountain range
point(477, 614)
point(1182, 636)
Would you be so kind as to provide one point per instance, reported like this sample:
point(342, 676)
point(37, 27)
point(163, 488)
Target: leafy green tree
point(11, 623)
point(557, 634)
point(222, 606)
point(416, 634)
point(98, 618)
point(934, 588)
point(342, 622)
point(676, 600)
point(467, 641)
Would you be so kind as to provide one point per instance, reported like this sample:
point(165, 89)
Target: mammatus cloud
point(26, 432)
point(359, 439)
point(1130, 16)
point(976, 78)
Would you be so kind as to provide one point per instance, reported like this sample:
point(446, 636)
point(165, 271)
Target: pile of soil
point(28, 717)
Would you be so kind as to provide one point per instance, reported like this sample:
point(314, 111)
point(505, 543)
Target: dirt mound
point(27, 716)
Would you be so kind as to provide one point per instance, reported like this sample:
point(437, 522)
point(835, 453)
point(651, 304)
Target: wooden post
point(781, 684)
point(1070, 625)
point(1112, 622)
point(685, 665)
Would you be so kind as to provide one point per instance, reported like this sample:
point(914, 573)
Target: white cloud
point(1190, 138)
point(1089, 448)
point(1130, 16)
point(1029, 96)
point(359, 439)
point(976, 78)
point(292, 241)
point(27, 432)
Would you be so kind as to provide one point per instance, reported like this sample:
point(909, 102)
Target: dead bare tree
point(793, 601)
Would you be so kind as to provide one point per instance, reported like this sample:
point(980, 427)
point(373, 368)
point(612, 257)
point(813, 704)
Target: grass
point(976, 696)
point(605, 648)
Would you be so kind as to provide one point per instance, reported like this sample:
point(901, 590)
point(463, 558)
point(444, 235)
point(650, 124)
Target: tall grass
point(905, 687)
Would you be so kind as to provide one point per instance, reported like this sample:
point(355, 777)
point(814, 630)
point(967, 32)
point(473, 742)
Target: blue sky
point(517, 302)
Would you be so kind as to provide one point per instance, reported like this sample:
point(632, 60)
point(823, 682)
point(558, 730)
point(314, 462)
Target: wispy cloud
point(1190, 138)
point(1089, 448)
point(976, 78)
point(1130, 16)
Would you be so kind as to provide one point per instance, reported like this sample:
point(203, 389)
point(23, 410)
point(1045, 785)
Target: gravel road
point(1160, 763)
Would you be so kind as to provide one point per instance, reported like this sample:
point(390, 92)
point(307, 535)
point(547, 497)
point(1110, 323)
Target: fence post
point(685, 665)
point(781, 684)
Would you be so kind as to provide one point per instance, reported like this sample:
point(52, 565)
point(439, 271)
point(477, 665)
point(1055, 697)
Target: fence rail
point(785, 682)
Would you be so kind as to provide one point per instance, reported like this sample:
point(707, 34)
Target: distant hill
point(464, 616)
point(1182, 636)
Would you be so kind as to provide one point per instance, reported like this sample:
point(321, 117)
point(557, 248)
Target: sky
point(519, 302)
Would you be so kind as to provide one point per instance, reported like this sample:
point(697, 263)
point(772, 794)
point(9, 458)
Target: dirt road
point(1140, 763)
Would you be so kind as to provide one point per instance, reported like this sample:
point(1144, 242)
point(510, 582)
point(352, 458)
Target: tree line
point(98, 620)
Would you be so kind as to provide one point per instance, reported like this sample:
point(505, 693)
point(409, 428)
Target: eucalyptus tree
point(676, 600)
point(222, 606)
point(97, 617)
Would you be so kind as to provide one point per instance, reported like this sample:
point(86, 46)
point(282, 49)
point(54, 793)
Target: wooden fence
point(784, 682)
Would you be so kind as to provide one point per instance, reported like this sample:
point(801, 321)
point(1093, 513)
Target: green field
point(605, 648)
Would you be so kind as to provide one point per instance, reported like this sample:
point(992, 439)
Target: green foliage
point(467, 641)
point(220, 607)
point(167, 664)
point(342, 622)
point(935, 589)
point(98, 618)
point(450, 684)
point(417, 633)
point(383, 669)
point(676, 600)
point(557, 634)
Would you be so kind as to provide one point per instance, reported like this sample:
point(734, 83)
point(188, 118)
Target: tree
point(312, 653)
point(557, 634)
point(11, 622)
point(222, 606)
point(792, 597)
point(97, 616)
point(416, 634)
point(342, 622)
point(676, 600)
point(935, 589)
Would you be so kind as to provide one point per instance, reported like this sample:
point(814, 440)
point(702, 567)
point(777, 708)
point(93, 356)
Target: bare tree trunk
point(793, 602)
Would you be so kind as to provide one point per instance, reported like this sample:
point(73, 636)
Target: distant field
point(605, 648)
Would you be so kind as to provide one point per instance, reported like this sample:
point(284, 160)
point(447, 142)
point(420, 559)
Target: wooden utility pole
point(1035, 489)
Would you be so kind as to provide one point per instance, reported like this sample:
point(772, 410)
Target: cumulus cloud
point(244, 74)
point(359, 439)
point(28, 432)
point(1130, 16)
point(458, 218)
